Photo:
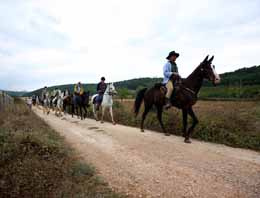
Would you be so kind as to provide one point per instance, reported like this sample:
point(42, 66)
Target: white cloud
point(58, 42)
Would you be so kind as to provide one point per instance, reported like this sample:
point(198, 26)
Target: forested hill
point(245, 76)
point(132, 84)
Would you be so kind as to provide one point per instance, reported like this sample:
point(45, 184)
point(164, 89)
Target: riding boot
point(168, 103)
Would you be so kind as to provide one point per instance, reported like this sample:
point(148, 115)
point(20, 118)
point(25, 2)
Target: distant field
point(234, 123)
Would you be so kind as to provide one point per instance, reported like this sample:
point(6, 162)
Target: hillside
point(243, 83)
point(245, 76)
point(16, 93)
point(132, 84)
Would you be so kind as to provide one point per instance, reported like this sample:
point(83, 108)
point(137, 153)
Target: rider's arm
point(98, 88)
point(167, 70)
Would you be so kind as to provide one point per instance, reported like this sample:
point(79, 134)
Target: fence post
point(6, 101)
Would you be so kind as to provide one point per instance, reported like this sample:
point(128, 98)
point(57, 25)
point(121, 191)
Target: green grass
point(235, 92)
point(233, 123)
point(36, 162)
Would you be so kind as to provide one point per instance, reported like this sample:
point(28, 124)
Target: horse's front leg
point(194, 123)
point(184, 121)
point(72, 110)
point(85, 111)
point(112, 116)
point(80, 111)
point(103, 113)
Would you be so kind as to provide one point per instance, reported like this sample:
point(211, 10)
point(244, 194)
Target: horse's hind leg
point(94, 112)
point(146, 110)
point(194, 123)
point(159, 116)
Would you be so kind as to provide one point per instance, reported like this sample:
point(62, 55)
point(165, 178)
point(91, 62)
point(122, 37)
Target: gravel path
point(153, 165)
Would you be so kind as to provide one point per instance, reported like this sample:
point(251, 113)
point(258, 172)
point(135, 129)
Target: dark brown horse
point(183, 97)
point(82, 103)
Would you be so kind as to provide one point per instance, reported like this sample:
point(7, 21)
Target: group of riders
point(54, 98)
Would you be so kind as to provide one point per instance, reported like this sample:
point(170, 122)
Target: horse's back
point(156, 94)
point(93, 98)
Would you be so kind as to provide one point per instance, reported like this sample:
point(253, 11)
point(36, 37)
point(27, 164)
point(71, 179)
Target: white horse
point(59, 106)
point(107, 102)
point(46, 103)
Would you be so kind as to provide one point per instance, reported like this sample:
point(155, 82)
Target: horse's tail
point(138, 100)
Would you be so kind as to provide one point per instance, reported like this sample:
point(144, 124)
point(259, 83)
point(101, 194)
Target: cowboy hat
point(173, 53)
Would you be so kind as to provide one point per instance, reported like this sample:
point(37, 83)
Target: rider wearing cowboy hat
point(169, 69)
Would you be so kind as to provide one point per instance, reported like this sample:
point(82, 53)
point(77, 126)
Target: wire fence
point(6, 101)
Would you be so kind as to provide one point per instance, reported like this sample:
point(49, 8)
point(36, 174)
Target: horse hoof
point(187, 141)
point(142, 130)
point(114, 123)
point(102, 122)
point(167, 134)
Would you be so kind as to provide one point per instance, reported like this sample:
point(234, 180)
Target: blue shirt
point(168, 69)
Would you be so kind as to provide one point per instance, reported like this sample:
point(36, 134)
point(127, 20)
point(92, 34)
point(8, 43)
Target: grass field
point(36, 162)
point(234, 123)
point(231, 92)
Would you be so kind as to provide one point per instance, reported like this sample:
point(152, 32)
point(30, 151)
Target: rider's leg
point(169, 87)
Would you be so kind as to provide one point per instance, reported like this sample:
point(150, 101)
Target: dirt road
point(152, 165)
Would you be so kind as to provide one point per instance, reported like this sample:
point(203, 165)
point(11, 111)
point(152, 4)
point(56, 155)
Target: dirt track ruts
point(152, 165)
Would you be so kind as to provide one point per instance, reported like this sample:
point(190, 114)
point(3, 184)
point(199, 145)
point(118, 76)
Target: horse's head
point(208, 71)
point(111, 90)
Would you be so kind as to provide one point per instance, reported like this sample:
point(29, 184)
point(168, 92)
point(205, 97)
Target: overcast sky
point(52, 42)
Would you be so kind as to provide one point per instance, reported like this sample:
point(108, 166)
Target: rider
point(66, 93)
point(54, 94)
point(101, 88)
point(44, 93)
point(45, 100)
point(78, 91)
point(169, 69)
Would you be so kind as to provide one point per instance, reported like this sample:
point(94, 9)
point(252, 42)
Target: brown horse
point(184, 96)
point(81, 103)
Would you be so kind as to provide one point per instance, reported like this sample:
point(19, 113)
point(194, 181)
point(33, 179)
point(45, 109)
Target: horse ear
point(205, 59)
point(211, 59)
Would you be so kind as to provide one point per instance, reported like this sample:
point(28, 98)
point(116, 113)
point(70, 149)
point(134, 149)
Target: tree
point(123, 93)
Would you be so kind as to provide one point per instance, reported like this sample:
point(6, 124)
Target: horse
point(68, 102)
point(183, 97)
point(81, 101)
point(106, 102)
point(46, 103)
point(58, 101)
